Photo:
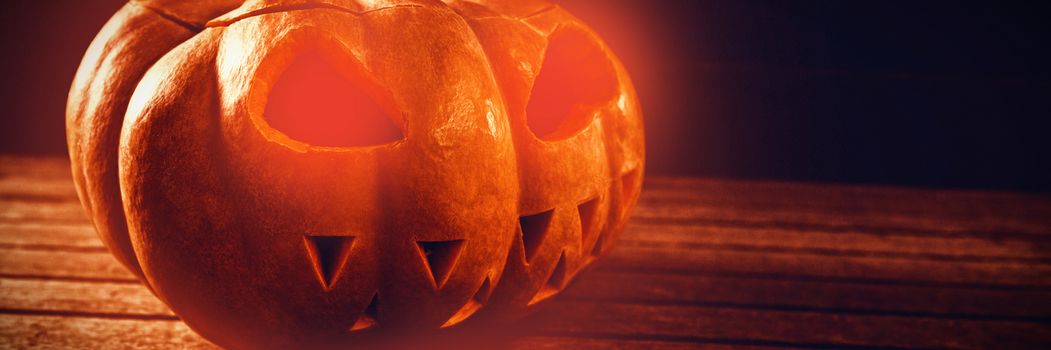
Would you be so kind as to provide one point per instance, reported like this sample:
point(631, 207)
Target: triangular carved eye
point(322, 103)
point(576, 76)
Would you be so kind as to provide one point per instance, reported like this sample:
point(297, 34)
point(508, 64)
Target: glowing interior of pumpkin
point(316, 103)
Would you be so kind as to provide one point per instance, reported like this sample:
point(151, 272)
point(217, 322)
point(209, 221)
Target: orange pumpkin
point(295, 173)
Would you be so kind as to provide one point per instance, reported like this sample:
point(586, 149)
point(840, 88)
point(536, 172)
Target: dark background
point(913, 93)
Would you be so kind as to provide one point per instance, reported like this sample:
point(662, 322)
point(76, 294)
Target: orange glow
point(313, 102)
point(259, 192)
point(575, 76)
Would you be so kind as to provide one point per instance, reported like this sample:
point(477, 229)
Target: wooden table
point(703, 263)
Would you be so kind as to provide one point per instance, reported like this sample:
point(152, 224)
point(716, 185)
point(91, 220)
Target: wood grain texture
point(64, 332)
point(704, 264)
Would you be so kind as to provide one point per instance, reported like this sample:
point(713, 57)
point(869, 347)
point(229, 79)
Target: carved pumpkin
point(296, 173)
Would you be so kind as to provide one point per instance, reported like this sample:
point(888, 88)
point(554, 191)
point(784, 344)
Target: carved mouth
point(535, 229)
point(330, 253)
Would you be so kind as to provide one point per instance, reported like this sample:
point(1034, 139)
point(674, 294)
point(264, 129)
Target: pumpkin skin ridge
point(552, 7)
point(496, 15)
point(128, 193)
point(279, 8)
point(168, 16)
point(196, 13)
point(597, 110)
point(83, 125)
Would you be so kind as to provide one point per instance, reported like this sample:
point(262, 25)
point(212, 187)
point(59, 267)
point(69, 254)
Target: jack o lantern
point(297, 173)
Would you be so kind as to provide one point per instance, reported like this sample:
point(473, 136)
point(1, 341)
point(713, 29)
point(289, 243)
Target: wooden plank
point(635, 256)
point(945, 204)
point(704, 262)
point(62, 265)
point(624, 287)
point(630, 255)
point(799, 328)
point(28, 202)
point(57, 332)
point(580, 343)
point(950, 204)
point(848, 242)
point(568, 317)
point(727, 202)
point(37, 167)
point(652, 214)
point(72, 296)
point(773, 203)
point(659, 211)
point(64, 212)
point(48, 236)
point(48, 331)
point(38, 179)
point(657, 257)
point(81, 237)
point(37, 190)
point(60, 332)
point(810, 295)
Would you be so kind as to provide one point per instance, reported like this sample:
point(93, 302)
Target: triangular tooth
point(439, 257)
point(328, 254)
point(587, 212)
point(476, 302)
point(483, 293)
point(627, 185)
point(554, 283)
point(370, 317)
point(558, 276)
point(596, 250)
point(534, 229)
